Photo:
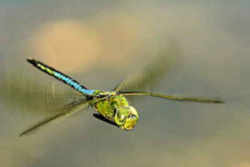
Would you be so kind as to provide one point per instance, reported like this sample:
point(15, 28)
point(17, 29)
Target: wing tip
point(219, 101)
point(22, 134)
point(215, 101)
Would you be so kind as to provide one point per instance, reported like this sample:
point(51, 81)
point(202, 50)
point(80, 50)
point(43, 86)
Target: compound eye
point(132, 116)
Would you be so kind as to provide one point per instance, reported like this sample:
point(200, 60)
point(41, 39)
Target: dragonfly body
point(112, 106)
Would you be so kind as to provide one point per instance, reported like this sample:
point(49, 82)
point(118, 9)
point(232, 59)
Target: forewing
point(152, 72)
point(172, 97)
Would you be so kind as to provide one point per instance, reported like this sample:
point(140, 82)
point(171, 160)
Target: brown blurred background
point(101, 42)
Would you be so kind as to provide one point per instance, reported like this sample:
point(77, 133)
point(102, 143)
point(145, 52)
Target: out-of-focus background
point(206, 52)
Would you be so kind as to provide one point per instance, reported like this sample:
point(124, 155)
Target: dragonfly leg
point(102, 118)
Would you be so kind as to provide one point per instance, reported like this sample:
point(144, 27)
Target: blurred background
point(205, 50)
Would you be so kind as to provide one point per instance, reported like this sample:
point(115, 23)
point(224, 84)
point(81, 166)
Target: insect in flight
point(110, 106)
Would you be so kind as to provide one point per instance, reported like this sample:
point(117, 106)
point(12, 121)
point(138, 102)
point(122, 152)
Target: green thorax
point(107, 107)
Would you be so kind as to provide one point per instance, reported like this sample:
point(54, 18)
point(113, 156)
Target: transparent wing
point(153, 71)
point(33, 96)
point(68, 110)
point(170, 97)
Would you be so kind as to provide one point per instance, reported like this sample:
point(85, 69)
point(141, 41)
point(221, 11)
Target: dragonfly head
point(126, 117)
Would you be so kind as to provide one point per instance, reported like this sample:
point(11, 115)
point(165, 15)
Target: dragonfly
point(111, 107)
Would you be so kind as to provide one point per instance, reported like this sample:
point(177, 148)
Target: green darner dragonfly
point(110, 106)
